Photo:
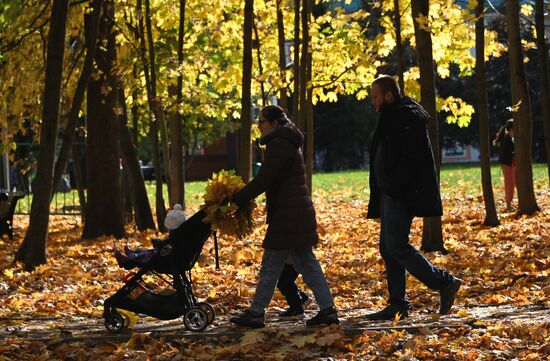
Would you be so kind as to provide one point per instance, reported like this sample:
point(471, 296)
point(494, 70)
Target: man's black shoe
point(250, 319)
point(448, 295)
point(388, 314)
point(327, 316)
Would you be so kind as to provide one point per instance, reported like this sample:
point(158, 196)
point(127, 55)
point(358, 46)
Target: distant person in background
point(504, 140)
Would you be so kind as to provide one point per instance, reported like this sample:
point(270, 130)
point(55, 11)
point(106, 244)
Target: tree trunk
point(399, 45)
point(157, 106)
point(138, 193)
point(91, 23)
point(523, 126)
point(432, 234)
point(104, 210)
point(491, 218)
point(309, 126)
point(283, 97)
point(33, 249)
point(126, 194)
point(77, 165)
point(176, 160)
point(258, 46)
point(244, 152)
point(159, 197)
point(153, 131)
point(302, 112)
point(296, 66)
point(544, 81)
point(134, 109)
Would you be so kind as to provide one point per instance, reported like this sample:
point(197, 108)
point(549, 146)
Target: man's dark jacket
point(290, 213)
point(405, 167)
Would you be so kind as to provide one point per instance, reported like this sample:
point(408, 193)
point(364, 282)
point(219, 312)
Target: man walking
point(403, 184)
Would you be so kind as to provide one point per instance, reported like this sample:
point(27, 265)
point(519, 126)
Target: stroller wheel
point(195, 319)
point(114, 322)
point(209, 310)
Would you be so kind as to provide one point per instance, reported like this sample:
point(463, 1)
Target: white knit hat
point(175, 217)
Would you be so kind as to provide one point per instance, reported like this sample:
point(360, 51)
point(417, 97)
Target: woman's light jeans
point(304, 262)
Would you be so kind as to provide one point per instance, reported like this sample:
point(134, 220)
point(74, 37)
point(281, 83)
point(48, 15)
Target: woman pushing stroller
point(292, 227)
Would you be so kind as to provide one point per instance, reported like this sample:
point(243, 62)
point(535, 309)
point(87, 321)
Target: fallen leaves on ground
point(504, 265)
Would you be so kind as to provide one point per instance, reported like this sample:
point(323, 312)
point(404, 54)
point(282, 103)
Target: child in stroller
point(140, 256)
point(170, 259)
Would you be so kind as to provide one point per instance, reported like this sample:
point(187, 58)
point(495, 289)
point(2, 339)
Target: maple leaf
point(8, 272)
point(252, 338)
point(137, 340)
point(301, 341)
point(282, 333)
point(423, 22)
point(463, 313)
point(540, 333)
point(396, 319)
point(329, 339)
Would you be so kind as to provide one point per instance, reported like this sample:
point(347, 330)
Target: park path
point(87, 329)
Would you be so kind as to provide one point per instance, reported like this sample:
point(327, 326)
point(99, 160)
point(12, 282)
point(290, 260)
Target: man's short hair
point(387, 84)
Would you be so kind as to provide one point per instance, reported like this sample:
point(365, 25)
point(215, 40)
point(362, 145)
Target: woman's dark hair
point(274, 113)
point(509, 125)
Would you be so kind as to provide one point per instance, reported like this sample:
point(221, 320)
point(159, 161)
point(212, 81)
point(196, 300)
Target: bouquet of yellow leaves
point(226, 217)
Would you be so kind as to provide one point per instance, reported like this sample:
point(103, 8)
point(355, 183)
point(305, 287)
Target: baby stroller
point(170, 260)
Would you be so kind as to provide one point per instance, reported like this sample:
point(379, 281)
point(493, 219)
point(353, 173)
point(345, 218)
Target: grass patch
point(457, 180)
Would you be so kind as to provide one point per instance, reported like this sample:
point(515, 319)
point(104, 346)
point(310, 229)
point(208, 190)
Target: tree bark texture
point(157, 105)
point(523, 121)
point(432, 234)
point(258, 45)
point(296, 65)
point(104, 209)
point(544, 80)
point(309, 128)
point(491, 217)
point(177, 169)
point(283, 96)
point(153, 124)
point(143, 215)
point(304, 62)
point(244, 151)
point(399, 45)
point(33, 249)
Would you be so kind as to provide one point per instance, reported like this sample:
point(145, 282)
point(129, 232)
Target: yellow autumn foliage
point(226, 217)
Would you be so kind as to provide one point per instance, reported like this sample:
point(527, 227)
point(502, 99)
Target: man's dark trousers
point(399, 255)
